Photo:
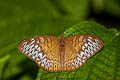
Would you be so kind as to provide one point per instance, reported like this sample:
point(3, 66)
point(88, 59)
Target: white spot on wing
point(38, 41)
point(81, 54)
point(89, 48)
point(84, 40)
point(38, 48)
point(86, 45)
point(40, 55)
point(33, 40)
point(83, 47)
point(39, 62)
point(37, 59)
point(33, 57)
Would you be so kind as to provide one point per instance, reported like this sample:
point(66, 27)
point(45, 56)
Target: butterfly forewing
point(44, 50)
point(78, 49)
point(64, 54)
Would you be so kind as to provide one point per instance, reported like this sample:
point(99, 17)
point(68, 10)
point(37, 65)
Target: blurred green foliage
point(3, 63)
point(20, 19)
point(111, 7)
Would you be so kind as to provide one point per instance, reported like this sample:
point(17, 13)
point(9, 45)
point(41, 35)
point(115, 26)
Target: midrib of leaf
point(116, 35)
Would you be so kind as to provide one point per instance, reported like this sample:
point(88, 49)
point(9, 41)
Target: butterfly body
point(60, 54)
point(62, 50)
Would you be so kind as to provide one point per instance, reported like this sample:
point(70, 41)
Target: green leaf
point(105, 65)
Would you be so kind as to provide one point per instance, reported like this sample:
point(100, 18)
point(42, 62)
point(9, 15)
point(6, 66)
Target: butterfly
point(60, 54)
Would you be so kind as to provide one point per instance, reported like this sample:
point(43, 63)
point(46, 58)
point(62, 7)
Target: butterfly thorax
point(62, 41)
point(62, 49)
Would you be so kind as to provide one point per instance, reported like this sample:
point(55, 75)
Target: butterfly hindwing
point(79, 48)
point(44, 50)
point(64, 54)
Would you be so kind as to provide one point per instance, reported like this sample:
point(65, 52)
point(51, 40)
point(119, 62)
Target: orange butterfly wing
point(44, 50)
point(78, 49)
point(50, 56)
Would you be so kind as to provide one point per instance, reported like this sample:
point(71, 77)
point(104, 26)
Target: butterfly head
point(62, 35)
